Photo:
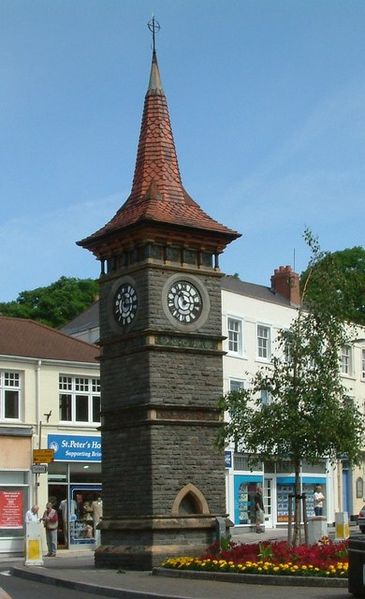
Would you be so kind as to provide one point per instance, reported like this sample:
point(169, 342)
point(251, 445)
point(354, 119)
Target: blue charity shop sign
point(75, 448)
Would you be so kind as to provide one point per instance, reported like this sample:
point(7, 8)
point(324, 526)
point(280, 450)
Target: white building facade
point(49, 398)
point(252, 316)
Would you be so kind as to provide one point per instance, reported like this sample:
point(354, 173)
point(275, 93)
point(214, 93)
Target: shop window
point(284, 466)
point(10, 389)
point(240, 462)
point(57, 472)
point(85, 473)
point(245, 505)
point(13, 505)
point(14, 477)
point(319, 468)
point(359, 488)
point(79, 399)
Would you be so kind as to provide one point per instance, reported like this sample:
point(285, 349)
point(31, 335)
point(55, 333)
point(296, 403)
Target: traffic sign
point(43, 456)
point(39, 468)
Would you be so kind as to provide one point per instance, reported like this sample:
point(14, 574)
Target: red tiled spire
point(157, 194)
point(157, 174)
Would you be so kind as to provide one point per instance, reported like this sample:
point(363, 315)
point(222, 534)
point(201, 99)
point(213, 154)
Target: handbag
point(261, 516)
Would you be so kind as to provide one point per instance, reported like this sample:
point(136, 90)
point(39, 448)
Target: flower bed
point(325, 559)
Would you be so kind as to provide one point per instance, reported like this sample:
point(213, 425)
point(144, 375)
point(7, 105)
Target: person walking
point(32, 514)
point(259, 510)
point(50, 520)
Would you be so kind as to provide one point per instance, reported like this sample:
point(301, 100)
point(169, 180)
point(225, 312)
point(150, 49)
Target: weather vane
point(154, 27)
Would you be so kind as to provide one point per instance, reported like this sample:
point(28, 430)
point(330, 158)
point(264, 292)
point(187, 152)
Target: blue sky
point(267, 103)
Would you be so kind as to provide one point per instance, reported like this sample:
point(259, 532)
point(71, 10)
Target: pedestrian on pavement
point(259, 510)
point(50, 520)
point(318, 498)
point(32, 514)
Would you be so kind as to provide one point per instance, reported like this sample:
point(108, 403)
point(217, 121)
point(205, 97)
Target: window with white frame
point(10, 388)
point(265, 397)
point(263, 342)
point(79, 399)
point(236, 384)
point(363, 363)
point(346, 360)
point(235, 336)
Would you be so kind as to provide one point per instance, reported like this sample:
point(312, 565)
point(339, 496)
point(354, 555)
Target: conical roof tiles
point(157, 193)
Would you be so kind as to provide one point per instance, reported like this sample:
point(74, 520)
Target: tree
point(53, 305)
point(309, 415)
point(350, 272)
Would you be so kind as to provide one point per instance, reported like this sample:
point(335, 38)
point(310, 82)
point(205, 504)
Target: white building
point(49, 398)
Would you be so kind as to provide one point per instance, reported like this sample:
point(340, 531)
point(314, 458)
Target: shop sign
point(75, 448)
point(228, 459)
point(11, 509)
point(43, 456)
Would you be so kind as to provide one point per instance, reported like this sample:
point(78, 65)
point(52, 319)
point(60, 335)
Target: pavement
point(75, 570)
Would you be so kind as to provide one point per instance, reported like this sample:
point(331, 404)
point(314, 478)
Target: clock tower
point(161, 365)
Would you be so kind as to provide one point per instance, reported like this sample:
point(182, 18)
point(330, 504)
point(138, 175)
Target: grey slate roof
point(89, 319)
point(259, 292)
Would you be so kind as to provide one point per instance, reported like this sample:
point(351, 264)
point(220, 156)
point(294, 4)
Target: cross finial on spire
point(154, 27)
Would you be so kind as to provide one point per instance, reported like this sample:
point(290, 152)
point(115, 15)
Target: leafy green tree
point(349, 265)
point(309, 415)
point(54, 305)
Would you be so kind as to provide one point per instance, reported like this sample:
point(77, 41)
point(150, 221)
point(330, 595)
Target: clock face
point(184, 302)
point(125, 304)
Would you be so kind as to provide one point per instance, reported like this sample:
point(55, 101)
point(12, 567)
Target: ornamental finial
point(154, 27)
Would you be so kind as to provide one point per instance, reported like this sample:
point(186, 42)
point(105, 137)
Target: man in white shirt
point(32, 514)
point(318, 501)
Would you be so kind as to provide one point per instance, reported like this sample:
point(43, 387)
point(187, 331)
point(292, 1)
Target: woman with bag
point(50, 521)
point(260, 512)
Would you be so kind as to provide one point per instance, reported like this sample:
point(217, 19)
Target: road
point(19, 588)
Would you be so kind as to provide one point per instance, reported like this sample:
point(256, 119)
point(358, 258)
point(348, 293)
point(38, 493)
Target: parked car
point(361, 519)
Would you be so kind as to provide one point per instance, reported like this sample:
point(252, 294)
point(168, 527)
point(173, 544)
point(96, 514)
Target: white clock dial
point(184, 302)
point(125, 304)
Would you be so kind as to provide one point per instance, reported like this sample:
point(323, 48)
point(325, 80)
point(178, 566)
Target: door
point(268, 501)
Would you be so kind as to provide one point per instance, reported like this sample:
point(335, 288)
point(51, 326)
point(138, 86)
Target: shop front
point(74, 488)
point(244, 492)
point(15, 479)
point(285, 489)
point(277, 483)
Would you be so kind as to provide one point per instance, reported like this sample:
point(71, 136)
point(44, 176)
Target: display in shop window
point(86, 510)
point(283, 492)
point(246, 503)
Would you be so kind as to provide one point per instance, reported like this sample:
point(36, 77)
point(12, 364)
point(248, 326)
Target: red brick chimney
point(286, 282)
